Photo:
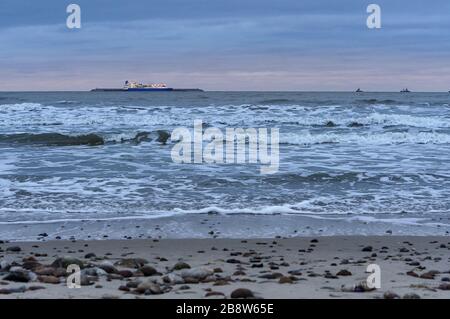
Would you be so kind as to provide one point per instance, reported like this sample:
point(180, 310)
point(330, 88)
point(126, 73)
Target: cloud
point(220, 45)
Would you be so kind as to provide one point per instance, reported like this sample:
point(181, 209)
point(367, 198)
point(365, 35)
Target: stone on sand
point(359, 287)
point(390, 295)
point(198, 273)
point(7, 291)
point(242, 293)
point(108, 267)
point(4, 265)
point(18, 274)
point(148, 287)
point(285, 280)
point(132, 262)
point(64, 262)
point(411, 296)
point(173, 279)
point(181, 265)
point(148, 270)
point(344, 272)
point(49, 279)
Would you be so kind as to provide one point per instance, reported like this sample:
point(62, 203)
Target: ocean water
point(68, 156)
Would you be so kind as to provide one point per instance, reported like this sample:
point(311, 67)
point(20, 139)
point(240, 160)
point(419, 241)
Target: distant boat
point(359, 90)
point(405, 91)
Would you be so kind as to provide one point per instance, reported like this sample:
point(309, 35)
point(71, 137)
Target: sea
point(344, 159)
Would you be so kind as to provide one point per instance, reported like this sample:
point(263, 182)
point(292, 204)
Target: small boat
point(405, 91)
point(359, 90)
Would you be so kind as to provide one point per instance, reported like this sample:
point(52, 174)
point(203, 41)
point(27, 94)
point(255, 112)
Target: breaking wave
point(372, 119)
point(367, 139)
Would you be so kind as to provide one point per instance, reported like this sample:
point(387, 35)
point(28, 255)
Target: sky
point(282, 45)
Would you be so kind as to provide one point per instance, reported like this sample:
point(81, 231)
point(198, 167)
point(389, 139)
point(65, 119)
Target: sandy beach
point(301, 267)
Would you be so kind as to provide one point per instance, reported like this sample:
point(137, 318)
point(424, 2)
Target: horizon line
point(207, 91)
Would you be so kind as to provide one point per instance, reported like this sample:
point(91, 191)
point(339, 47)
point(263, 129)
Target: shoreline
point(301, 267)
point(227, 226)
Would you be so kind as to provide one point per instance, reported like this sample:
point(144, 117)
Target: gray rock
point(5, 265)
point(173, 279)
point(14, 249)
point(8, 291)
point(390, 295)
point(94, 272)
point(285, 280)
point(64, 262)
point(132, 262)
point(344, 272)
point(215, 294)
point(125, 273)
point(411, 296)
point(86, 280)
point(360, 287)
point(181, 265)
point(148, 270)
point(199, 273)
point(242, 293)
point(49, 279)
point(444, 286)
point(133, 283)
point(274, 275)
point(124, 288)
point(114, 277)
point(429, 274)
point(107, 267)
point(149, 287)
point(18, 274)
point(296, 272)
point(233, 261)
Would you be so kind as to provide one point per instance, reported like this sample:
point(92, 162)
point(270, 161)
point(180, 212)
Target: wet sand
point(212, 225)
point(301, 267)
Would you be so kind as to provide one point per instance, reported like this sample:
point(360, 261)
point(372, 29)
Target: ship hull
point(145, 90)
point(148, 89)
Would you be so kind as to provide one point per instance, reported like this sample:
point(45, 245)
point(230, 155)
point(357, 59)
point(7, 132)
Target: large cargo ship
point(133, 86)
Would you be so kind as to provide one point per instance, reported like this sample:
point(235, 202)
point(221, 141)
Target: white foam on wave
point(369, 120)
point(407, 221)
point(101, 118)
point(272, 210)
point(5, 187)
point(403, 120)
point(306, 138)
point(20, 107)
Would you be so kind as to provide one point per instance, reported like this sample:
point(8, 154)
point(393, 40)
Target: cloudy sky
point(226, 44)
